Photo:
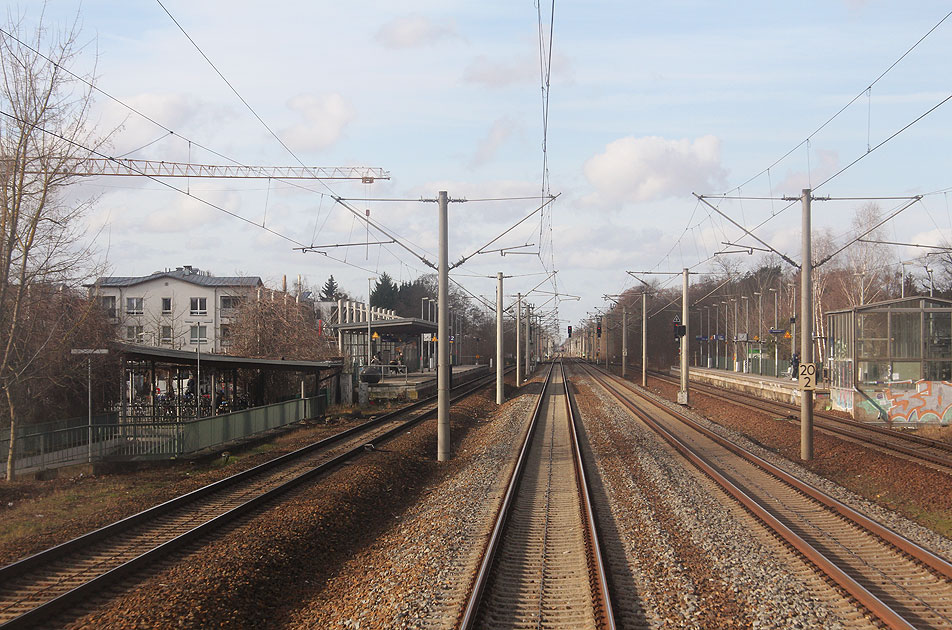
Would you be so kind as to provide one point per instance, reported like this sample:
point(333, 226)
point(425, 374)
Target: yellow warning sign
point(786, 335)
point(375, 336)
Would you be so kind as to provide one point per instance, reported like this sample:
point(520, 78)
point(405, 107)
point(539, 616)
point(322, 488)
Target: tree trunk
point(13, 425)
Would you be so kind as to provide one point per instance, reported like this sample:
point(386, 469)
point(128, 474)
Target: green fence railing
point(40, 447)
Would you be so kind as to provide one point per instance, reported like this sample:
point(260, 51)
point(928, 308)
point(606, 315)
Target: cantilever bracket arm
point(786, 258)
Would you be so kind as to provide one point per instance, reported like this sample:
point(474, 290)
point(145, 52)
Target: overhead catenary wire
point(806, 141)
point(386, 232)
point(859, 95)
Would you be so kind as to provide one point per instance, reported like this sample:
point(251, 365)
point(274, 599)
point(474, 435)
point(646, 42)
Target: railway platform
point(396, 384)
point(780, 389)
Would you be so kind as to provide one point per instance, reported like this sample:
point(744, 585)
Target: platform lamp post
point(708, 309)
point(89, 352)
point(736, 353)
point(370, 344)
point(423, 302)
point(624, 330)
point(746, 333)
point(726, 336)
point(776, 348)
point(717, 327)
point(760, 332)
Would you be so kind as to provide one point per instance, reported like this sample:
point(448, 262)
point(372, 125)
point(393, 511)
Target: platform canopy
point(403, 327)
point(136, 352)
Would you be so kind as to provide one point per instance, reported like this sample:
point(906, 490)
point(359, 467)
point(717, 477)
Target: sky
point(648, 103)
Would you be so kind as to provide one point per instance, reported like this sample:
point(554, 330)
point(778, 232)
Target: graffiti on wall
point(930, 402)
point(841, 399)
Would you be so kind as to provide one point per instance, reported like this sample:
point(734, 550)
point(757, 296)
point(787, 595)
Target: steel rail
point(492, 546)
point(62, 602)
point(936, 563)
point(830, 423)
point(868, 600)
point(599, 576)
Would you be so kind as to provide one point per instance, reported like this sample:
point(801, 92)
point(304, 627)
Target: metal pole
point(806, 331)
point(198, 376)
point(422, 307)
point(776, 348)
point(760, 333)
point(528, 319)
point(683, 394)
point(500, 390)
point(727, 337)
point(369, 339)
point(624, 339)
point(717, 327)
point(89, 402)
point(443, 361)
point(736, 354)
point(746, 332)
point(518, 340)
point(644, 340)
point(708, 309)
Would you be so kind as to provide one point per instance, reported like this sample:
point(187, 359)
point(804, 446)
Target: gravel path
point(696, 561)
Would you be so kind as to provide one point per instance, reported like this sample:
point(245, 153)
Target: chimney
point(284, 283)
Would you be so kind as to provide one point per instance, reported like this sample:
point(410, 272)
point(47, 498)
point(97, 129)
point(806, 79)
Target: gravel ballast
point(384, 542)
point(697, 561)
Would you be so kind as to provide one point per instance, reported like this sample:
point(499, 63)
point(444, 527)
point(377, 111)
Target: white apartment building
point(178, 308)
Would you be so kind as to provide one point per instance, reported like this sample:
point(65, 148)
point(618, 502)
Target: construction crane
point(91, 167)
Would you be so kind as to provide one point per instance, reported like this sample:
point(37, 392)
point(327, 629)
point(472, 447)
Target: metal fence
point(74, 441)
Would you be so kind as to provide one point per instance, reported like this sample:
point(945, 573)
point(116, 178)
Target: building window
point(225, 334)
point(166, 335)
point(230, 302)
point(166, 305)
point(134, 306)
point(108, 304)
point(198, 306)
point(133, 333)
point(199, 334)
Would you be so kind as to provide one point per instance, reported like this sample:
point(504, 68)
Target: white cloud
point(324, 120)
point(186, 213)
point(641, 169)
point(518, 68)
point(495, 73)
point(825, 163)
point(412, 31)
point(500, 131)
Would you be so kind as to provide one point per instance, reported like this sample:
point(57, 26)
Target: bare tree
point(44, 131)
point(867, 270)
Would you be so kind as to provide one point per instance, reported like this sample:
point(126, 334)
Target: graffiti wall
point(841, 399)
point(930, 402)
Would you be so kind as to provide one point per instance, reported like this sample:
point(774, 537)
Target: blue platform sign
point(777, 331)
point(719, 337)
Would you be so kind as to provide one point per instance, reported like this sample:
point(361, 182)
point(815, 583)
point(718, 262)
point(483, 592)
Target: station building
point(892, 361)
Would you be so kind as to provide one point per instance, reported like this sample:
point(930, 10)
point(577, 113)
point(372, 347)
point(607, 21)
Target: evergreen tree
point(331, 291)
point(384, 294)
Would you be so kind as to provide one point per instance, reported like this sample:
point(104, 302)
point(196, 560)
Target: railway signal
point(570, 332)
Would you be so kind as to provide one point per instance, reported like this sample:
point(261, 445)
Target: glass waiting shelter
point(892, 361)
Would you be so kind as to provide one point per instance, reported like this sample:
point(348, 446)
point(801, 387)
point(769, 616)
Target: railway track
point(40, 586)
point(925, 451)
point(542, 567)
point(898, 583)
